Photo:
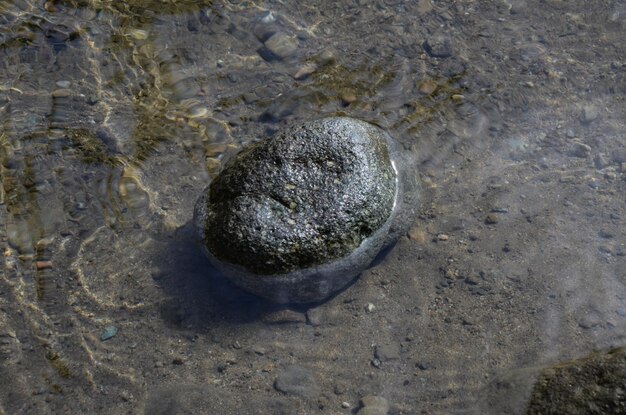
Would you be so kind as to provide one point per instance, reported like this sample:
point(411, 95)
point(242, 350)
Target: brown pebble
point(314, 316)
point(45, 242)
point(61, 93)
point(305, 71)
point(443, 237)
point(428, 87)
point(348, 96)
point(418, 235)
point(215, 149)
point(491, 219)
point(43, 264)
point(49, 6)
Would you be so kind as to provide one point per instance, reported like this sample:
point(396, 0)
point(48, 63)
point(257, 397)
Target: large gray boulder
point(297, 216)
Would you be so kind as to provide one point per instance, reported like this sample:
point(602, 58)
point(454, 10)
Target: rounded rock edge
point(319, 282)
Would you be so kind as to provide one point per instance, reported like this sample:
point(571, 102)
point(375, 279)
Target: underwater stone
point(590, 385)
point(297, 381)
point(279, 46)
point(108, 333)
point(296, 217)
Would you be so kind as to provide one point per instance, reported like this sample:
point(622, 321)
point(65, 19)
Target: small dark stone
point(192, 24)
point(480, 291)
point(423, 365)
point(606, 233)
point(580, 150)
point(491, 219)
point(600, 161)
point(471, 281)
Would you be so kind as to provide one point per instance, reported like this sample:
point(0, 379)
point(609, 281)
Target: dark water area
point(116, 115)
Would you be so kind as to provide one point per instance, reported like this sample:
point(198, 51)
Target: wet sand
point(115, 118)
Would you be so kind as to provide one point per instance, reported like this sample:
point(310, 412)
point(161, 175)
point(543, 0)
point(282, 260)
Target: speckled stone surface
point(297, 216)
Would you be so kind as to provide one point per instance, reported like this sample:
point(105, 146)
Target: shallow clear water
point(116, 116)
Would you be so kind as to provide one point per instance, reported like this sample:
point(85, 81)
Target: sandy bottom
point(115, 119)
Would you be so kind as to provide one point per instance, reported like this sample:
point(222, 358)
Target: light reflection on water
point(116, 115)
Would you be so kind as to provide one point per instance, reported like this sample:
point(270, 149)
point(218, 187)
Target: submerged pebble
point(374, 405)
point(296, 217)
point(43, 265)
point(438, 46)
point(279, 46)
point(108, 333)
point(297, 381)
point(588, 114)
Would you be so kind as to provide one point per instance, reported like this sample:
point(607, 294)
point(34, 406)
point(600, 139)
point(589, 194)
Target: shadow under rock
point(200, 296)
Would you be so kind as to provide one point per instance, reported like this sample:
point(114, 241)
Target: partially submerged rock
point(592, 385)
point(297, 216)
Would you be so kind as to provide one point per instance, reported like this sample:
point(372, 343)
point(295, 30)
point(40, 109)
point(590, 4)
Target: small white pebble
point(370, 307)
point(345, 404)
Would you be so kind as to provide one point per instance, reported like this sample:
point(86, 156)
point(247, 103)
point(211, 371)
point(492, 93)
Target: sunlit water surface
point(115, 116)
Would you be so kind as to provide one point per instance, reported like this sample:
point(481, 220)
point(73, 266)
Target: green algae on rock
point(295, 217)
